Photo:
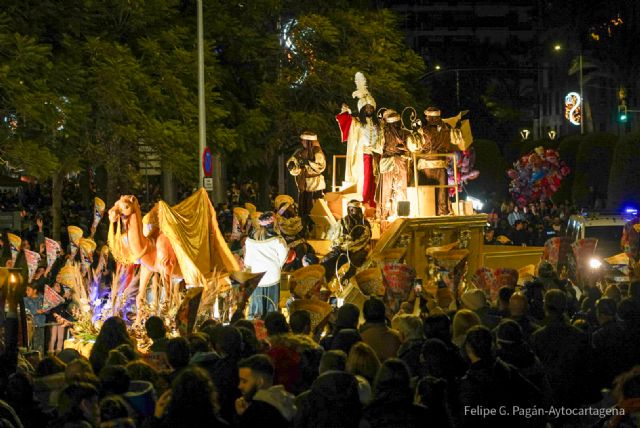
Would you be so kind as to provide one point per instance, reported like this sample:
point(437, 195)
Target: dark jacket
point(612, 352)
point(395, 410)
point(565, 354)
point(494, 384)
point(409, 352)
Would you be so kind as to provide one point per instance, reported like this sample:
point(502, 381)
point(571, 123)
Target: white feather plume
point(361, 86)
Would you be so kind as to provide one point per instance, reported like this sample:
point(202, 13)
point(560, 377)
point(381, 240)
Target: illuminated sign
point(573, 108)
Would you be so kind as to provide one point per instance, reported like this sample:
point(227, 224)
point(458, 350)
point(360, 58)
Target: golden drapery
point(192, 229)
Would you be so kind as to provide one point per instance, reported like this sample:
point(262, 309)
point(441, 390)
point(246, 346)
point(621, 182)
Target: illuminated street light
point(437, 67)
point(557, 47)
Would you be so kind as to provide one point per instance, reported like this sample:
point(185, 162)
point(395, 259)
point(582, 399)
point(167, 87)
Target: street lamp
point(558, 47)
point(438, 67)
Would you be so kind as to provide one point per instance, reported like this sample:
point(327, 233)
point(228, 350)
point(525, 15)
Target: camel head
point(127, 205)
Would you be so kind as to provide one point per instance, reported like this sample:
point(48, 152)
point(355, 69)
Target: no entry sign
point(207, 162)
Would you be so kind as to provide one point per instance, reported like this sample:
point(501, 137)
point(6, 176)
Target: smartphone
point(417, 285)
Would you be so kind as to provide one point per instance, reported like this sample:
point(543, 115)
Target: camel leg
point(141, 298)
point(155, 296)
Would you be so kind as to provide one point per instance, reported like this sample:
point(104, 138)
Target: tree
point(291, 64)
point(493, 170)
point(90, 81)
point(593, 162)
point(568, 149)
point(624, 177)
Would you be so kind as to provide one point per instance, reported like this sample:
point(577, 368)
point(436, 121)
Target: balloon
point(537, 175)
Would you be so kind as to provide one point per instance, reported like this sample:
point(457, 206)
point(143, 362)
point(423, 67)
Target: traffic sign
point(207, 183)
point(207, 162)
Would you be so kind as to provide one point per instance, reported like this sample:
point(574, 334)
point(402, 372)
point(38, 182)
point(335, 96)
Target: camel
point(151, 250)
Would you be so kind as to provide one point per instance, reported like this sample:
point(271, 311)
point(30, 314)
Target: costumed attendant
point(350, 243)
point(437, 140)
point(361, 134)
point(393, 165)
point(265, 251)
point(307, 165)
point(301, 253)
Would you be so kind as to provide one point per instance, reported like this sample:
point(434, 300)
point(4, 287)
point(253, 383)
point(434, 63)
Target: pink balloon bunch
point(536, 176)
point(465, 161)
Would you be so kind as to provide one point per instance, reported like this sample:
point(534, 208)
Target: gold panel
point(417, 234)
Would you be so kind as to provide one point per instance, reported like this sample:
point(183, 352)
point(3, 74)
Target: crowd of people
point(535, 347)
point(550, 352)
point(530, 225)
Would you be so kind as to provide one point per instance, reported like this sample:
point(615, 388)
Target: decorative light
point(573, 108)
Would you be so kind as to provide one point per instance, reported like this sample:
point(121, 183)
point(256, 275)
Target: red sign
point(207, 162)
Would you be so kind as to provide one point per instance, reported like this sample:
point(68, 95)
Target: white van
point(607, 228)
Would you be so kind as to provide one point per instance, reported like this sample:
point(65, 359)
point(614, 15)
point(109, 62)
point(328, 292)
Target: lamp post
point(202, 118)
point(558, 47)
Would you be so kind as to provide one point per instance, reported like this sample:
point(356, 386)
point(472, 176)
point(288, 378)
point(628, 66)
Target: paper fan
point(307, 281)
point(370, 282)
point(318, 310)
point(506, 277)
point(399, 280)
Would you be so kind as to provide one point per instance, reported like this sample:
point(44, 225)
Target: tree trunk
point(56, 204)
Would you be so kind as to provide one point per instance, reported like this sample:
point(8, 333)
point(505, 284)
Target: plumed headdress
point(362, 92)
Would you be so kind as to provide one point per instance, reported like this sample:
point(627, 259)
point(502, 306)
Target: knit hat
point(474, 299)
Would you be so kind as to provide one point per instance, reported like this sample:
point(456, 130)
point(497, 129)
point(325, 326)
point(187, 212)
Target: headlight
point(595, 263)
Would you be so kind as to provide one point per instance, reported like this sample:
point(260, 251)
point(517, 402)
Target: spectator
point(512, 349)
point(518, 313)
point(610, 343)
point(114, 380)
point(228, 344)
point(262, 403)
point(392, 404)
point(190, 402)
point(411, 334)
point(476, 301)
point(564, 352)
point(345, 331)
point(156, 331)
point(300, 322)
point(114, 412)
point(78, 407)
point(20, 395)
point(112, 334)
point(332, 401)
point(627, 395)
point(363, 361)
point(463, 320)
point(375, 333)
point(431, 393)
point(333, 360)
point(490, 383)
point(178, 355)
point(276, 323)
